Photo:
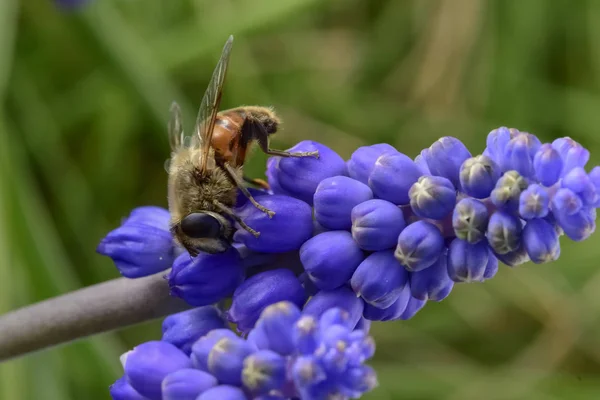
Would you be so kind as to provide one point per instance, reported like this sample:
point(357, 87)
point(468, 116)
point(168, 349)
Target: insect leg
point(262, 137)
point(257, 182)
point(240, 184)
point(231, 213)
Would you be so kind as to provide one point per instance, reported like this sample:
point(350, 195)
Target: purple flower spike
point(548, 165)
point(541, 241)
point(376, 224)
point(226, 360)
point(468, 262)
point(186, 384)
point(223, 392)
point(445, 157)
point(260, 291)
point(122, 390)
point(184, 328)
point(207, 278)
point(143, 245)
point(291, 225)
point(300, 176)
point(335, 198)
point(478, 176)
point(496, 143)
point(432, 283)
point(149, 363)
point(504, 232)
point(363, 160)
point(432, 197)
point(342, 297)
point(419, 246)
point(392, 177)
point(470, 220)
point(379, 279)
point(330, 258)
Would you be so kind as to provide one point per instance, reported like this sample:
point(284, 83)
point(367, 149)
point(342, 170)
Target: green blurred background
point(83, 140)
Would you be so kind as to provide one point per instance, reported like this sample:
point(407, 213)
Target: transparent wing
point(175, 128)
point(210, 105)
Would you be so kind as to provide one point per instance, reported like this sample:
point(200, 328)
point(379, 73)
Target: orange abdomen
point(226, 139)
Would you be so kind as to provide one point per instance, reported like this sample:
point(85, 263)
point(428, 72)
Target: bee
point(206, 167)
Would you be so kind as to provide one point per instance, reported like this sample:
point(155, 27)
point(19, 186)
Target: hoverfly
point(205, 168)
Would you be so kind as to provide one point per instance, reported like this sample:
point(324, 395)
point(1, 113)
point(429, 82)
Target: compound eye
point(200, 225)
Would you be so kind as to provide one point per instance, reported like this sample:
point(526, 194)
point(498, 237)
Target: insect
point(206, 167)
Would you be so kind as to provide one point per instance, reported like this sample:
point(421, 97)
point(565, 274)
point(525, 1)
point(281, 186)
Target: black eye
point(200, 225)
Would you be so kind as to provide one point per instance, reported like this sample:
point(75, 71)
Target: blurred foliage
point(82, 141)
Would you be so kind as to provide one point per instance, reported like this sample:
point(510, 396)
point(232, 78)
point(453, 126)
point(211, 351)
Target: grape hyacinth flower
point(288, 354)
point(375, 237)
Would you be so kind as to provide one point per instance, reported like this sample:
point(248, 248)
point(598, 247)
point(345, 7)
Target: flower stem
point(95, 309)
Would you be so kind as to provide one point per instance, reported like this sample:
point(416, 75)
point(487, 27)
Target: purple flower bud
point(412, 308)
point(260, 291)
point(310, 378)
point(342, 297)
point(122, 390)
point(392, 177)
point(548, 165)
point(470, 220)
point(478, 176)
point(578, 181)
point(518, 154)
point(579, 225)
point(496, 143)
point(291, 225)
point(467, 262)
point(143, 245)
point(335, 316)
point(201, 349)
point(432, 197)
point(422, 164)
point(445, 157)
point(514, 258)
point(226, 359)
point(330, 258)
point(305, 334)
point(300, 176)
point(207, 278)
point(391, 313)
point(362, 161)
point(223, 392)
point(275, 327)
point(594, 176)
point(184, 328)
point(572, 153)
point(491, 267)
point(419, 246)
point(264, 371)
point(186, 384)
point(376, 224)
point(379, 279)
point(149, 363)
point(432, 283)
point(541, 241)
point(504, 232)
point(508, 190)
point(534, 202)
point(566, 202)
point(335, 198)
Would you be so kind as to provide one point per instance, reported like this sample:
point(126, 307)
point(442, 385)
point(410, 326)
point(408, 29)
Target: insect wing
point(175, 128)
point(210, 105)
